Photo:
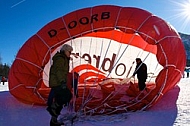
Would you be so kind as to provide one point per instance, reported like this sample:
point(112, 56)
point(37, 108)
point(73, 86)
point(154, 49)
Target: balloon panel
point(106, 40)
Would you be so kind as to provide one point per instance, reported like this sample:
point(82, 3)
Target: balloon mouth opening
point(105, 62)
point(106, 40)
point(112, 52)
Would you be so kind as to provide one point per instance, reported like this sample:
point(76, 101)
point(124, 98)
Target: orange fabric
point(147, 31)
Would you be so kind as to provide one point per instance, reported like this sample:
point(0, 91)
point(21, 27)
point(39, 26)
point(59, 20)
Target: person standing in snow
point(57, 82)
point(187, 71)
point(141, 71)
point(3, 79)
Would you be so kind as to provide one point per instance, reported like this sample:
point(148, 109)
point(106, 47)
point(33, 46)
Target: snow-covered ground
point(172, 110)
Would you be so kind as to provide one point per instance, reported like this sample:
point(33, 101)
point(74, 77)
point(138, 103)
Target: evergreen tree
point(4, 69)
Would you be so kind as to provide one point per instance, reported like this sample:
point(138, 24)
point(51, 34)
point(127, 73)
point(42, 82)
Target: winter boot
point(53, 110)
point(54, 122)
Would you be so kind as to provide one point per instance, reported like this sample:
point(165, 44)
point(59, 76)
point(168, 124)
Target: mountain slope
point(186, 41)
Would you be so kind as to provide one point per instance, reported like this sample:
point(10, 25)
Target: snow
point(172, 110)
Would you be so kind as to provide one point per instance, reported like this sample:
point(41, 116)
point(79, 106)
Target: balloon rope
point(89, 97)
point(136, 98)
point(115, 63)
point(111, 94)
point(49, 49)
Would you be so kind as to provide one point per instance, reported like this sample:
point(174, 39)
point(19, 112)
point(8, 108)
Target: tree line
point(4, 69)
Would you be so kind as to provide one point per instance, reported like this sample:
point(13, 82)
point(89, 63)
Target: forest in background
point(4, 69)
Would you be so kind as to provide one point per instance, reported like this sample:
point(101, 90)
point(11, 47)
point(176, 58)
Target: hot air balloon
point(106, 40)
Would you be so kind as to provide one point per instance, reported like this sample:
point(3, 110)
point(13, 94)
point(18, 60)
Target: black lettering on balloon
point(72, 24)
point(110, 61)
point(88, 56)
point(105, 15)
point(62, 28)
point(84, 20)
point(124, 69)
point(97, 60)
point(94, 18)
point(52, 33)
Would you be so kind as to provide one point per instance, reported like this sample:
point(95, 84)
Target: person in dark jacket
point(60, 93)
point(141, 71)
point(3, 79)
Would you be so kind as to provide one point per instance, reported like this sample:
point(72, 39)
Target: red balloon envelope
point(106, 40)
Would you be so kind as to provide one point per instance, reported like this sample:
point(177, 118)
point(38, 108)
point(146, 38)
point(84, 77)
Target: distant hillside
point(186, 41)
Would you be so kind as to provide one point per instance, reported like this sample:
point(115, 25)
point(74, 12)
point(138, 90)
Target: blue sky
point(21, 19)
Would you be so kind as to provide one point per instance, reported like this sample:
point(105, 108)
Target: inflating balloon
point(106, 40)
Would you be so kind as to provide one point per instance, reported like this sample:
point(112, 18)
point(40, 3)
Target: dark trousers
point(141, 84)
point(52, 93)
point(57, 98)
point(62, 96)
point(50, 98)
